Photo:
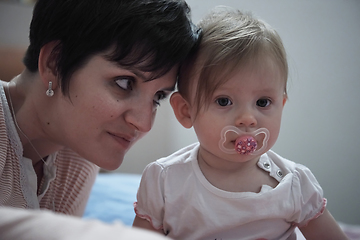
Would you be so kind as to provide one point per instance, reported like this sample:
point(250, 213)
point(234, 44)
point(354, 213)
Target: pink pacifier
point(245, 142)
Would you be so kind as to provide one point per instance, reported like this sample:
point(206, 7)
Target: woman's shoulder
point(2, 100)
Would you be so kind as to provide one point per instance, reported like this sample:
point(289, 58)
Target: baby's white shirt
point(175, 196)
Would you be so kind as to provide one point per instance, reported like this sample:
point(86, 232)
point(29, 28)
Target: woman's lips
point(124, 140)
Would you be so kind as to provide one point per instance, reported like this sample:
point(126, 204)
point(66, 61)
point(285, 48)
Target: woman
point(95, 73)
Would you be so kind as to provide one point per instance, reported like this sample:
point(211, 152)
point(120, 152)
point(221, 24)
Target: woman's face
point(109, 109)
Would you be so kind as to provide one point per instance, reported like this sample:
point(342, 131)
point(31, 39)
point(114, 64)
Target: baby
point(231, 185)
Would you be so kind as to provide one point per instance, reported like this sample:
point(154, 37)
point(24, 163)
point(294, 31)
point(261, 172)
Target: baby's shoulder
point(297, 174)
point(284, 164)
point(180, 159)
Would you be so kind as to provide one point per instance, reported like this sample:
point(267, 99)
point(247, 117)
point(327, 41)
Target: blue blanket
point(112, 198)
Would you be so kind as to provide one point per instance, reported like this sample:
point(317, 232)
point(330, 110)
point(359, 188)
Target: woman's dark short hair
point(152, 35)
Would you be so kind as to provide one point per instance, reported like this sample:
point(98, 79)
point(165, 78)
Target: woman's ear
point(181, 109)
point(47, 64)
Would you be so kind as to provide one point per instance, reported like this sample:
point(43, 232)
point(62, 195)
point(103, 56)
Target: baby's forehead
point(209, 78)
point(220, 72)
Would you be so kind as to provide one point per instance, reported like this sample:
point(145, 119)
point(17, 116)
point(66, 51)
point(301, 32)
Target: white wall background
point(320, 127)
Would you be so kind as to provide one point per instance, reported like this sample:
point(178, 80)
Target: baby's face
point(252, 98)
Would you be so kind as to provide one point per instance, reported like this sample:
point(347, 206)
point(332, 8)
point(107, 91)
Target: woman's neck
point(23, 104)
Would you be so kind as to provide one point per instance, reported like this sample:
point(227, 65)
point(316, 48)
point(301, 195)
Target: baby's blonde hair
point(230, 40)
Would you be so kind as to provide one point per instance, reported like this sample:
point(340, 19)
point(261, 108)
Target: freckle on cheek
point(48, 123)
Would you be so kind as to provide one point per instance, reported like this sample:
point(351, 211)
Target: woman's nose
point(141, 116)
point(246, 118)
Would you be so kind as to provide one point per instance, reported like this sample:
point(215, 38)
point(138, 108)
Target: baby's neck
point(235, 177)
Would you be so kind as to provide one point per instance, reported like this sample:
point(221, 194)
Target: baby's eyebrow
point(267, 90)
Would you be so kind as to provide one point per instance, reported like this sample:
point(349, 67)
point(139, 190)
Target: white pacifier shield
point(245, 140)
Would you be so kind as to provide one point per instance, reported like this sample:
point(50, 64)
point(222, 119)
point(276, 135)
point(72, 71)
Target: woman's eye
point(223, 101)
point(263, 102)
point(158, 97)
point(125, 83)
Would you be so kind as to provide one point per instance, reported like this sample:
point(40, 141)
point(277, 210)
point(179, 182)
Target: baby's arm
point(149, 206)
point(143, 223)
point(323, 228)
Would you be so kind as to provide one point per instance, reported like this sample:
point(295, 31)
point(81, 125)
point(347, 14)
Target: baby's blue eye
point(124, 83)
point(223, 101)
point(263, 102)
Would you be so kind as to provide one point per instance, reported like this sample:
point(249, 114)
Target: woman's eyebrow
point(147, 79)
point(139, 74)
point(142, 76)
point(133, 70)
point(170, 89)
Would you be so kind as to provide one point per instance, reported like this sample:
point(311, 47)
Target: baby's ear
point(284, 100)
point(181, 109)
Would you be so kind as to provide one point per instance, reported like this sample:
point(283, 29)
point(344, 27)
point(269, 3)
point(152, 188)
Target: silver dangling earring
point(50, 92)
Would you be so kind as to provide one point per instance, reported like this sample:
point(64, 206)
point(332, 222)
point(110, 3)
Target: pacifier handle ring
point(227, 129)
point(266, 138)
point(224, 131)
